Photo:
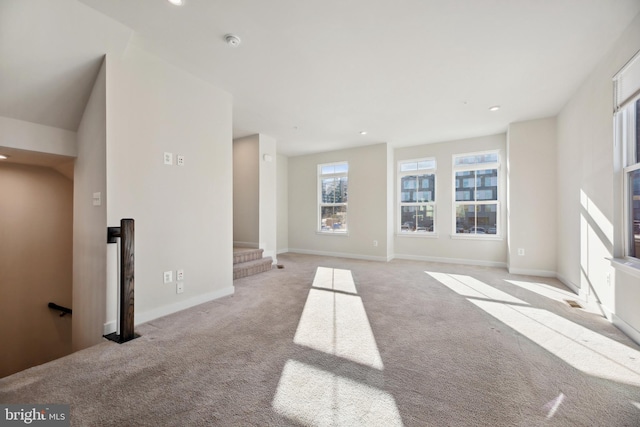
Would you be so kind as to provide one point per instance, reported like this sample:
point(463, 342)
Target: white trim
point(416, 235)
point(473, 236)
point(333, 233)
point(628, 266)
point(338, 254)
point(527, 272)
point(628, 330)
point(252, 245)
point(453, 260)
point(110, 327)
point(568, 283)
point(282, 251)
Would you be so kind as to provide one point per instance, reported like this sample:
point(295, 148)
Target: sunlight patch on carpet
point(578, 346)
point(554, 404)
point(336, 323)
point(314, 397)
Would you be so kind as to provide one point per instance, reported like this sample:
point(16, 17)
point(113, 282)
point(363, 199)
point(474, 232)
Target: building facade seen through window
point(417, 196)
point(477, 197)
point(333, 190)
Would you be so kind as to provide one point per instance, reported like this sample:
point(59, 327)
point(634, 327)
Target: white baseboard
point(452, 260)
point(338, 254)
point(165, 310)
point(629, 330)
point(282, 251)
point(533, 272)
point(252, 245)
point(569, 284)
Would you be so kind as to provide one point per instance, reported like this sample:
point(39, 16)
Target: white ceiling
point(313, 74)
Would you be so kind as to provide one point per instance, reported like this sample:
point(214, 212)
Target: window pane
point(465, 218)
point(426, 188)
point(487, 185)
point(408, 166)
point(333, 218)
point(328, 169)
point(418, 219)
point(409, 186)
point(427, 164)
point(475, 159)
point(634, 204)
point(341, 168)
point(486, 219)
point(334, 190)
point(637, 141)
point(465, 181)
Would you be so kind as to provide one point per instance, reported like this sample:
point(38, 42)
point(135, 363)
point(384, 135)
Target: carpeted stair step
point(246, 254)
point(249, 268)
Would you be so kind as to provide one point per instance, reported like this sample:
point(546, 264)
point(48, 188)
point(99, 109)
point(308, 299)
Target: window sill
point(333, 233)
point(476, 237)
point(418, 235)
point(629, 266)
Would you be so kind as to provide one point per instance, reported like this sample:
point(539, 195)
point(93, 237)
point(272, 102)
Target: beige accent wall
point(183, 214)
point(589, 206)
point(246, 191)
point(367, 210)
point(36, 214)
point(446, 247)
point(90, 222)
point(532, 183)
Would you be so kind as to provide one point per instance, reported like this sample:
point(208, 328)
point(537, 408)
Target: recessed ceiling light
point(3, 157)
point(176, 2)
point(364, 132)
point(494, 108)
point(232, 40)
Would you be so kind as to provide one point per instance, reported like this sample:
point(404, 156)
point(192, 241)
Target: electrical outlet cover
point(168, 158)
point(180, 275)
point(179, 288)
point(168, 276)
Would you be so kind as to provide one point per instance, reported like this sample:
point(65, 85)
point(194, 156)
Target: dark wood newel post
point(126, 233)
point(127, 242)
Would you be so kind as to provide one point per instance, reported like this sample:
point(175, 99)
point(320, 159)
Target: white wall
point(367, 210)
point(491, 252)
point(267, 227)
point(246, 191)
point(589, 189)
point(531, 183)
point(184, 213)
point(35, 137)
point(282, 195)
point(90, 222)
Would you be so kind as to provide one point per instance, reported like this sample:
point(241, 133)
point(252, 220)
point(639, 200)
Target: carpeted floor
point(366, 343)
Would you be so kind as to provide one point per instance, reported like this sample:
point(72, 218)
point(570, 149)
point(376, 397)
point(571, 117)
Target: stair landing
point(248, 261)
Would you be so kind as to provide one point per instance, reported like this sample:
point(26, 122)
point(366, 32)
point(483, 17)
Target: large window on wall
point(416, 196)
point(477, 199)
point(627, 119)
point(333, 189)
point(629, 125)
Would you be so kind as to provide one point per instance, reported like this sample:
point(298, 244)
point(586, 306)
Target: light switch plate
point(168, 276)
point(168, 158)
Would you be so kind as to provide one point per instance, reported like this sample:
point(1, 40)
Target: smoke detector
point(232, 40)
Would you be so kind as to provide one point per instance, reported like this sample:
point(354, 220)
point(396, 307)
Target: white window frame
point(626, 135)
point(321, 204)
point(400, 203)
point(498, 202)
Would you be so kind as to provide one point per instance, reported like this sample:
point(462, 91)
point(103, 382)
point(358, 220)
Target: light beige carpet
point(357, 343)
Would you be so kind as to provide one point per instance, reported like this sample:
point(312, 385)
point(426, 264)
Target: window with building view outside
point(476, 201)
point(631, 116)
point(417, 196)
point(333, 186)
